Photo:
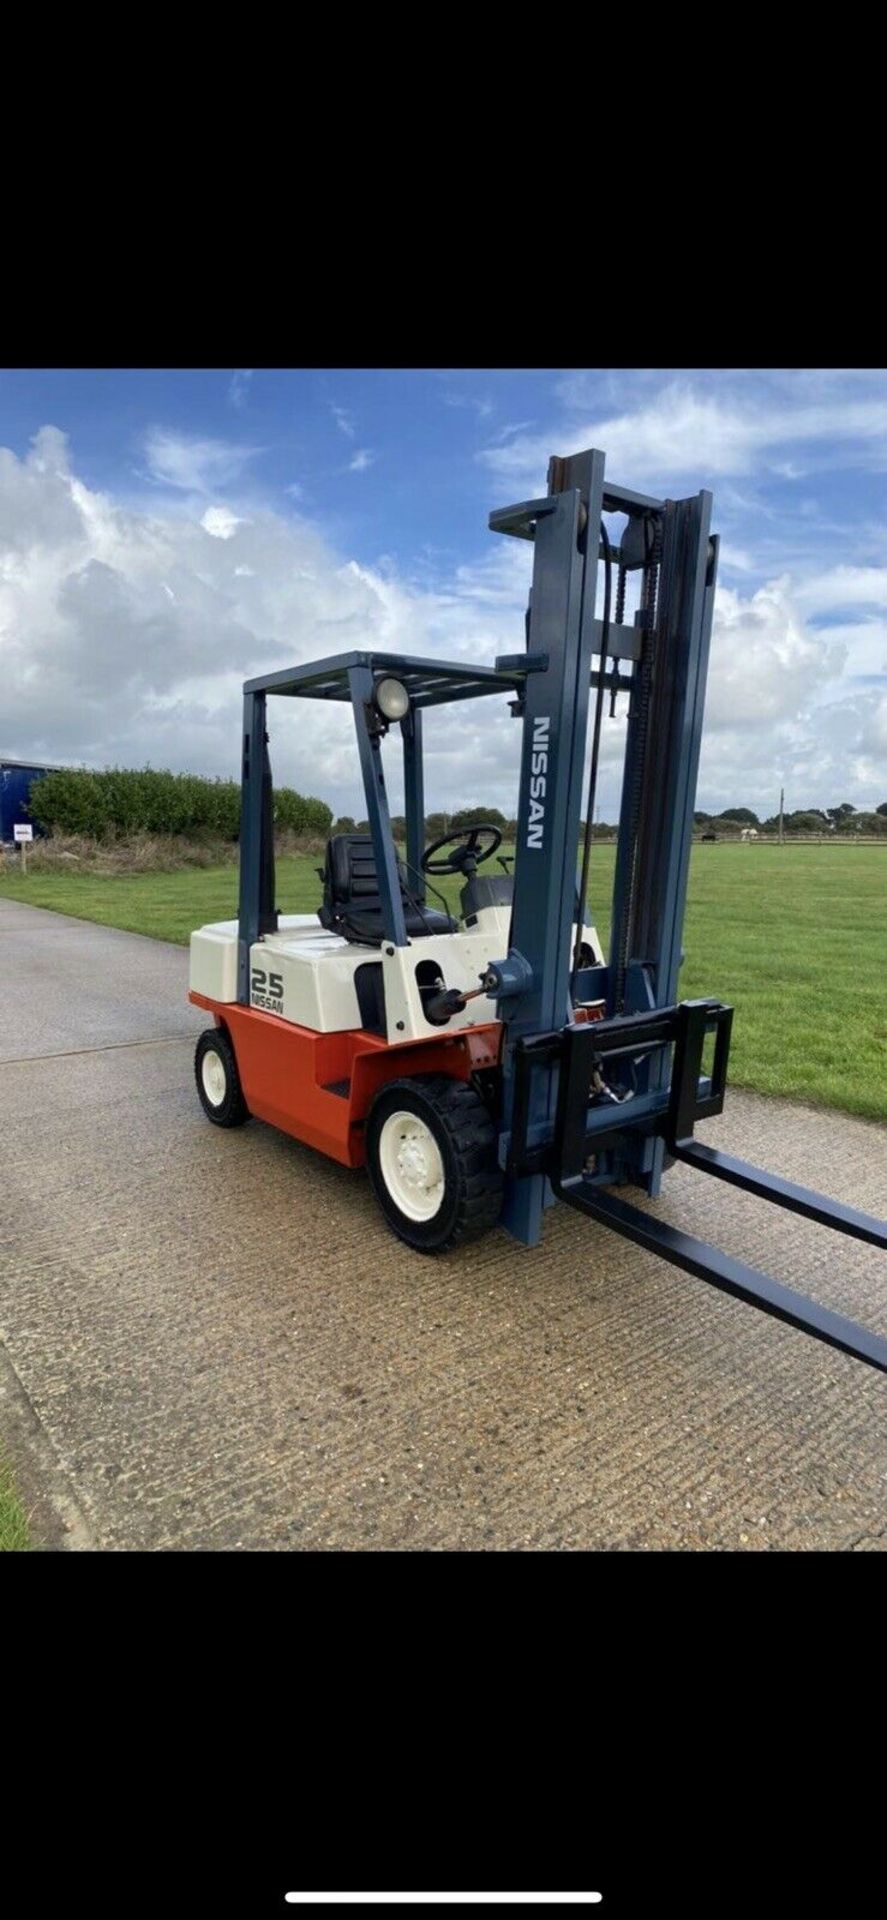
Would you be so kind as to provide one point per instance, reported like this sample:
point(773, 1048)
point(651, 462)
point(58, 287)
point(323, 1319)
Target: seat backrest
point(351, 878)
point(352, 904)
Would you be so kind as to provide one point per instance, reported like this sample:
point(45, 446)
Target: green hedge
point(126, 801)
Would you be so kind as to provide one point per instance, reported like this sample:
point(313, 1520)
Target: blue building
point(16, 780)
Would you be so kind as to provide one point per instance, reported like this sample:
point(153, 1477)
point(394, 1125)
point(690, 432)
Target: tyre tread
point(472, 1137)
point(233, 1110)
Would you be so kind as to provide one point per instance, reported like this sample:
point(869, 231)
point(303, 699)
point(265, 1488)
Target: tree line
point(122, 801)
point(436, 824)
point(845, 819)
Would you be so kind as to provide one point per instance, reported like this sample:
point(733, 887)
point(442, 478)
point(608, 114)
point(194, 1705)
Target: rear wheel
point(218, 1081)
point(431, 1157)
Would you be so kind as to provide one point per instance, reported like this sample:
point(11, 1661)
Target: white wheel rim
point(412, 1166)
point(214, 1077)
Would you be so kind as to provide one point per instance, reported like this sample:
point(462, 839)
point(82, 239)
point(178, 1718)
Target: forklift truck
point(487, 1064)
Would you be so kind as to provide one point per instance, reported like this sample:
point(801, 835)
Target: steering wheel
point(467, 853)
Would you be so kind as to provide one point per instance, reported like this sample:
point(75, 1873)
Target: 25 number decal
point(268, 983)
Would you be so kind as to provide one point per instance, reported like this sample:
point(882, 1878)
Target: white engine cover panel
point(305, 975)
point(212, 966)
point(462, 959)
point(213, 953)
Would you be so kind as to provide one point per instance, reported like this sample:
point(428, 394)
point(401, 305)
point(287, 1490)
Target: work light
point(392, 699)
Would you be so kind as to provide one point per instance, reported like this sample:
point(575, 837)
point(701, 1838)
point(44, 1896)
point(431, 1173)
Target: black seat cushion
point(351, 902)
point(368, 925)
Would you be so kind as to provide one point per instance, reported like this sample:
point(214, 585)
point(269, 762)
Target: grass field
point(795, 938)
point(13, 1524)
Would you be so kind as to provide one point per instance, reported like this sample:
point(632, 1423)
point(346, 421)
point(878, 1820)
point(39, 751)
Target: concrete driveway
point(212, 1341)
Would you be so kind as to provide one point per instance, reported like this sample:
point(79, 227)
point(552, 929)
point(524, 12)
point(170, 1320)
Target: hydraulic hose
point(639, 718)
point(595, 753)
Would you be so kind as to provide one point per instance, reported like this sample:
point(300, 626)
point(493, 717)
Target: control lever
point(442, 1006)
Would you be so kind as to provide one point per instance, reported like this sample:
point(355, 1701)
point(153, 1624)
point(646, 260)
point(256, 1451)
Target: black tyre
point(218, 1081)
point(431, 1157)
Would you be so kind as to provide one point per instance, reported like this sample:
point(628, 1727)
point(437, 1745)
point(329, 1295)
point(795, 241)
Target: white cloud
point(736, 558)
point(126, 633)
point(863, 643)
point(874, 733)
point(220, 522)
point(480, 404)
point(194, 465)
point(844, 586)
point(513, 427)
point(238, 390)
point(362, 459)
point(765, 665)
point(344, 420)
point(694, 429)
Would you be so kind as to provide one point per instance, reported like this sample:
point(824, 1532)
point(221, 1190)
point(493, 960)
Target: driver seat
point(352, 904)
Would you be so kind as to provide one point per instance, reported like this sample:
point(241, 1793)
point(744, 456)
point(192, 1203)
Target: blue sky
point(165, 533)
point(384, 458)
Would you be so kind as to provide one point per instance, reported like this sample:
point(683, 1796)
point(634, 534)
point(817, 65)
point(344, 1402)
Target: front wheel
point(218, 1081)
point(431, 1157)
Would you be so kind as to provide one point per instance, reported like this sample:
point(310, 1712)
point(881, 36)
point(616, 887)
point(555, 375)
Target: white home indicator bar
point(444, 1899)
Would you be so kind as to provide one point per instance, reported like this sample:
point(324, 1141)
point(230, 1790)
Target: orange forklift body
point(319, 1087)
